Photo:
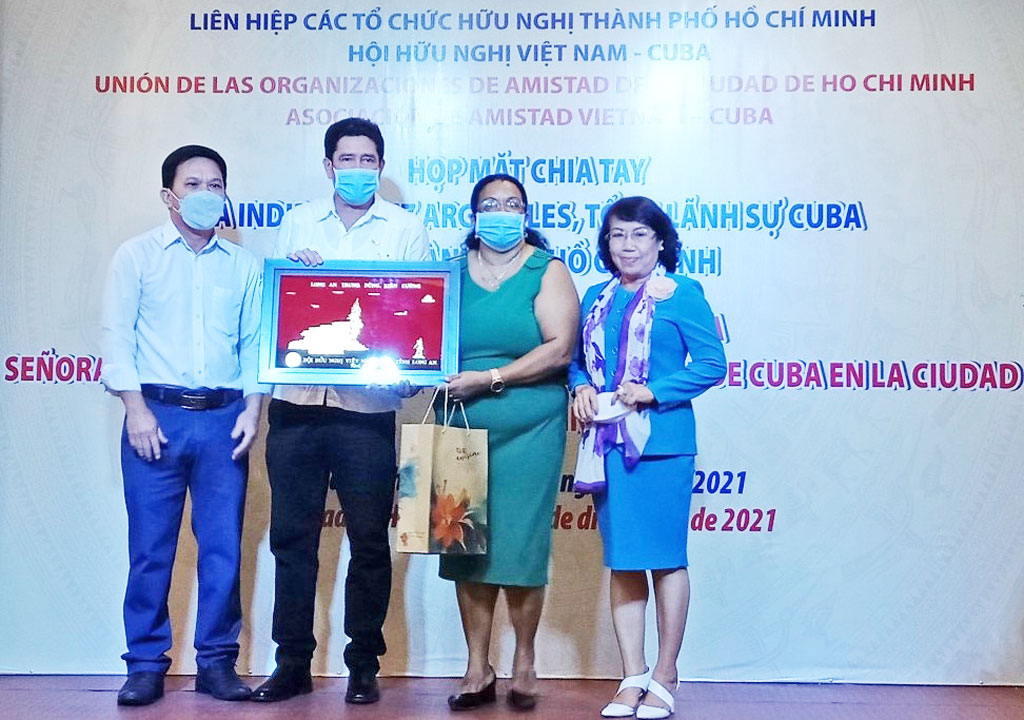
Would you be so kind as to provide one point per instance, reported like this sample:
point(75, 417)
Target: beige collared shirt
point(385, 232)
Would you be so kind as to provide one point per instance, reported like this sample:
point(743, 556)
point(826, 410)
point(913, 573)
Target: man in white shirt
point(180, 335)
point(319, 432)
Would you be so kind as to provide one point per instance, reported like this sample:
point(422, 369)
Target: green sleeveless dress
point(526, 426)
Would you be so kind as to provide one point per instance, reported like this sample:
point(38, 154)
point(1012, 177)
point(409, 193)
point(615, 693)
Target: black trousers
point(306, 446)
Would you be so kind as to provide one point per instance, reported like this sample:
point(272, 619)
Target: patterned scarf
point(632, 431)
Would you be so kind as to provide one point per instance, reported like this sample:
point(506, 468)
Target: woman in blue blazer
point(632, 388)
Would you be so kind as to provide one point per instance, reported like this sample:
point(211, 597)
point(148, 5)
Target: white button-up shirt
point(385, 232)
point(172, 316)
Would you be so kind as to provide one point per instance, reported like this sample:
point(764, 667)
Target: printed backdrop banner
point(846, 180)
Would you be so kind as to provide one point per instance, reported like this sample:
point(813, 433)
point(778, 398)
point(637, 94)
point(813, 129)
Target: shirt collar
point(169, 235)
point(327, 210)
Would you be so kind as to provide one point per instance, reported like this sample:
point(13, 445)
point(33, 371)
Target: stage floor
point(49, 697)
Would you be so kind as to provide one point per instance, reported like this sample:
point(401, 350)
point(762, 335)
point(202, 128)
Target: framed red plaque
point(359, 323)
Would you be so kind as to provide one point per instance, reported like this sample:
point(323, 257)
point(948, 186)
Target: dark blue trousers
point(196, 459)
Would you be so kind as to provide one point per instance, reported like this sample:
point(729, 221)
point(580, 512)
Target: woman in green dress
point(518, 321)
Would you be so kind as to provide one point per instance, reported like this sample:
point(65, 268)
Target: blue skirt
point(644, 514)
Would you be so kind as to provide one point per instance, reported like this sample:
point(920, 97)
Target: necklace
point(494, 279)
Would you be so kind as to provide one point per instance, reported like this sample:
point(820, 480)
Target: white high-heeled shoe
point(653, 712)
point(621, 710)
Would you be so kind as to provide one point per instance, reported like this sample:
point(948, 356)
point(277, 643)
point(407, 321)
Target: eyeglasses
point(639, 235)
point(512, 204)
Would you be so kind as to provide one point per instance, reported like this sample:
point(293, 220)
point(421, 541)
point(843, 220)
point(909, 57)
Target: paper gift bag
point(442, 488)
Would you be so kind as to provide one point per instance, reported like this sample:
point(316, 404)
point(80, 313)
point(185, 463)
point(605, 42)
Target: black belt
point(191, 399)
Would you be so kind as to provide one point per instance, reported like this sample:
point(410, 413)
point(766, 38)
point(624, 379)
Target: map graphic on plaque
point(334, 321)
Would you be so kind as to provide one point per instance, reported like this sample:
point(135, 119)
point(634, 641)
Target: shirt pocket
point(224, 311)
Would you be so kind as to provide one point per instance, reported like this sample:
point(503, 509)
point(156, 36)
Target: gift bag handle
point(433, 399)
point(448, 414)
point(462, 407)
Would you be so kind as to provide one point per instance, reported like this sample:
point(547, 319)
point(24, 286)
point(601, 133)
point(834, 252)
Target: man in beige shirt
point(348, 433)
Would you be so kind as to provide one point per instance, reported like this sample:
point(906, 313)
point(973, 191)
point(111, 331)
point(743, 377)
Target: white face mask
point(201, 210)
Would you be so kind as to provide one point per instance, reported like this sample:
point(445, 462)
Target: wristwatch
point(497, 384)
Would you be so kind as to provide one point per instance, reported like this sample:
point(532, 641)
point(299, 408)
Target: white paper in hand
point(609, 409)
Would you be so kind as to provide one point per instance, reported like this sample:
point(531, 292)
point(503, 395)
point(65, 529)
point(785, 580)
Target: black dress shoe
point(286, 682)
point(521, 701)
point(470, 700)
point(222, 682)
point(141, 688)
point(362, 687)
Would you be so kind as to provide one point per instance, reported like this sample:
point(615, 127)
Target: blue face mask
point(201, 210)
point(356, 185)
point(500, 231)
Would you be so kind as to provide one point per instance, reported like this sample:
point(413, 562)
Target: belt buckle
point(195, 400)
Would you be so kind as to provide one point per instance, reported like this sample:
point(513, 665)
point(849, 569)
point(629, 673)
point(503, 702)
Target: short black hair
point(532, 236)
point(645, 211)
point(351, 127)
point(185, 153)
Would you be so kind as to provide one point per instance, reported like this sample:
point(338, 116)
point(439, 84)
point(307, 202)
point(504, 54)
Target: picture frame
point(358, 322)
